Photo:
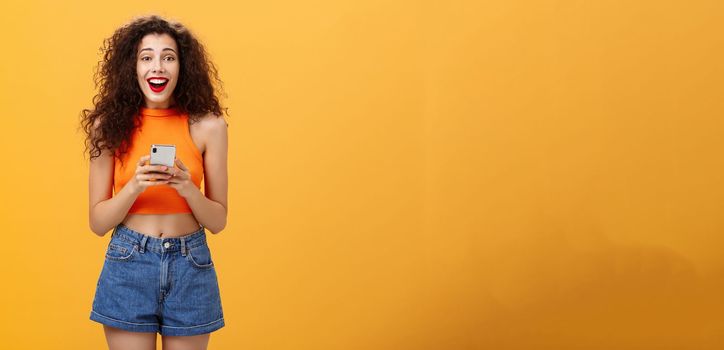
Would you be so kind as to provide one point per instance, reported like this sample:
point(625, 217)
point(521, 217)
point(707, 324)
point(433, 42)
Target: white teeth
point(158, 81)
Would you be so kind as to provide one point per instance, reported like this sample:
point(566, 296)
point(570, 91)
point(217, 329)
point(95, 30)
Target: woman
point(156, 86)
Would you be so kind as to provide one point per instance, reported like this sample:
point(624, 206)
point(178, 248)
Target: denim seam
point(188, 236)
point(123, 258)
point(135, 324)
point(161, 295)
point(203, 325)
point(188, 245)
point(204, 267)
point(123, 250)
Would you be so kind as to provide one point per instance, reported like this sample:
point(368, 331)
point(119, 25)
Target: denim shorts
point(164, 285)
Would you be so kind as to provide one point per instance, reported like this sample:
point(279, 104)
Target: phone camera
point(154, 150)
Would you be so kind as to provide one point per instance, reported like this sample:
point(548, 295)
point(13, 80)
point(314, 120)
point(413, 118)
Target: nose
point(157, 67)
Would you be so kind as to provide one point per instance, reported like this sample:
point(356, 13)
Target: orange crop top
point(165, 126)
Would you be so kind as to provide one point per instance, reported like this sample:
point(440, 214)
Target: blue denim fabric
point(164, 285)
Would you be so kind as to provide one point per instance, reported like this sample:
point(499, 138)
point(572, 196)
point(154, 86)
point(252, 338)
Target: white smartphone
point(163, 155)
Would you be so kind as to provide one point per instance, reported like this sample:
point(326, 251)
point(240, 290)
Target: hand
point(149, 175)
point(181, 180)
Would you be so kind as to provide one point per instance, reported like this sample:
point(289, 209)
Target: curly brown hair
point(119, 98)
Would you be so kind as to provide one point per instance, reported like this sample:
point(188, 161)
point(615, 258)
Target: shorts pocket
point(200, 257)
point(120, 251)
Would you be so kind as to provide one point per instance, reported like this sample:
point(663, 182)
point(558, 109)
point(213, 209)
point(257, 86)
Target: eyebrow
point(150, 49)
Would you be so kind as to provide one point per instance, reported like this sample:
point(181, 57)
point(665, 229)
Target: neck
point(159, 105)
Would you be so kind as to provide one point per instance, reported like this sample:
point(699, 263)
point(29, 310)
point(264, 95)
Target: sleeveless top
point(160, 126)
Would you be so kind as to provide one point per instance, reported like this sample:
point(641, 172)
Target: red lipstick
point(158, 84)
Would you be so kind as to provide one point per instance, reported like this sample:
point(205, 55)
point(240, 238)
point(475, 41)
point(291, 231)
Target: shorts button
point(166, 245)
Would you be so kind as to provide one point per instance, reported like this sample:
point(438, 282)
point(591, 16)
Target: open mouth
point(157, 84)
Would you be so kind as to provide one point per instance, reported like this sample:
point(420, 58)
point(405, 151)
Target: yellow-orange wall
point(403, 174)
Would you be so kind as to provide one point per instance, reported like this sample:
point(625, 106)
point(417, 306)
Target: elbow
point(93, 224)
point(99, 231)
point(217, 229)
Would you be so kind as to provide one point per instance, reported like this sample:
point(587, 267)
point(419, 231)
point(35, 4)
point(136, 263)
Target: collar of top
point(159, 112)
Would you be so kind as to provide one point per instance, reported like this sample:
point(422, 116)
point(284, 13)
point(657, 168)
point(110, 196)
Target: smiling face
point(157, 69)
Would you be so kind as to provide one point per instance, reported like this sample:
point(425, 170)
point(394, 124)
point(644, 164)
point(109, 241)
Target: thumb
point(181, 164)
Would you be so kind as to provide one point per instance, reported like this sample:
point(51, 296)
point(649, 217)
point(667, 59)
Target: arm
point(211, 209)
point(106, 210)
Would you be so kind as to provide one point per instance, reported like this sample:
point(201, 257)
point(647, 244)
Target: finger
point(181, 175)
point(153, 183)
point(143, 159)
point(179, 178)
point(150, 176)
point(153, 169)
point(181, 164)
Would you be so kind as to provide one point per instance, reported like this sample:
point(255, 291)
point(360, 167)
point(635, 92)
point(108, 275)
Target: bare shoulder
point(205, 128)
point(209, 119)
point(212, 122)
point(94, 129)
point(210, 125)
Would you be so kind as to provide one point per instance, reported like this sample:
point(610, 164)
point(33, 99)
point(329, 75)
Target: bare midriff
point(162, 225)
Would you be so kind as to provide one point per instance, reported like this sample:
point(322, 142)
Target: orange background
point(403, 174)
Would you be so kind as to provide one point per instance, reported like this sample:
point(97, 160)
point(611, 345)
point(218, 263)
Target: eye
point(170, 58)
point(145, 58)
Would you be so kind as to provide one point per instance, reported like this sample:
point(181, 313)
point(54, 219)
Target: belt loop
point(143, 243)
point(183, 246)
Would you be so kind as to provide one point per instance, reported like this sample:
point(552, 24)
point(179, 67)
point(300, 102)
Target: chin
point(158, 99)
